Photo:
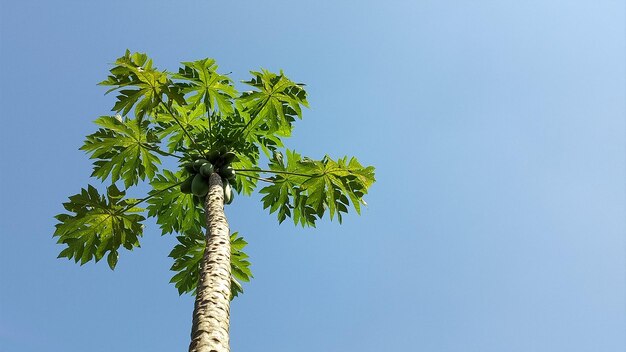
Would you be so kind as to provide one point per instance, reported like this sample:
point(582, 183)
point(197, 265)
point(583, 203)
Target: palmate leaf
point(187, 257)
point(175, 211)
point(239, 264)
point(98, 224)
point(143, 85)
point(193, 120)
point(304, 189)
point(268, 143)
point(245, 182)
point(123, 149)
point(201, 81)
point(274, 106)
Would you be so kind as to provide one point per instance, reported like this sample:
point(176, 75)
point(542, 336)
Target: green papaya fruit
point(185, 187)
point(213, 156)
point(227, 172)
point(228, 158)
point(228, 193)
point(206, 170)
point(199, 186)
point(198, 164)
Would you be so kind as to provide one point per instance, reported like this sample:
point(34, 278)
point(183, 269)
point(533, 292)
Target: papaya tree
point(222, 143)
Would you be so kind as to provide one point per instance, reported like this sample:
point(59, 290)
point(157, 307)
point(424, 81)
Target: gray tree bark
point(211, 313)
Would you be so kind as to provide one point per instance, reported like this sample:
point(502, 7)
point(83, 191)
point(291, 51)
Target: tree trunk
point(211, 313)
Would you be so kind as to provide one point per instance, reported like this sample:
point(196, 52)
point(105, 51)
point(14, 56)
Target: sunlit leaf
point(140, 85)
point(205, 85)
point(123, 150)
point(274, 105)
point(304, 189)
point(97, 224)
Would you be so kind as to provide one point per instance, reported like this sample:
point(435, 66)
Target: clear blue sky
point(497, 128)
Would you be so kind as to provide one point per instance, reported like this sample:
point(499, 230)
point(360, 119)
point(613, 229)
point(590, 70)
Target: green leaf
point(278, 197)
point(193, 120)
point(205, 85)
point(97, 224)
point(123, 150)
point(143, 85)
point(187, 257)
point(245, 182)
point(239, 264)
point(274, 105)
point(188, 254)
point(304, 189)
point(175, 211)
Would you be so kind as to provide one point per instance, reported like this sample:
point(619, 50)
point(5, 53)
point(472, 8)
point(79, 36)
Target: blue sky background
point(497, 128)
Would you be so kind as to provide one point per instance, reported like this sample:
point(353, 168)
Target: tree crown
point(197, 114)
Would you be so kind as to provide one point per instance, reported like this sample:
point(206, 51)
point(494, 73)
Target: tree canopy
point(198, 113)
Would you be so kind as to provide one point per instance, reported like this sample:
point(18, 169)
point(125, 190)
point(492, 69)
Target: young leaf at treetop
point(136, 71)
point(200, 78)
point(174, 128)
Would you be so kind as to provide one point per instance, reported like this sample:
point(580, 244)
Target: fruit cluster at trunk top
point(200, 170)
